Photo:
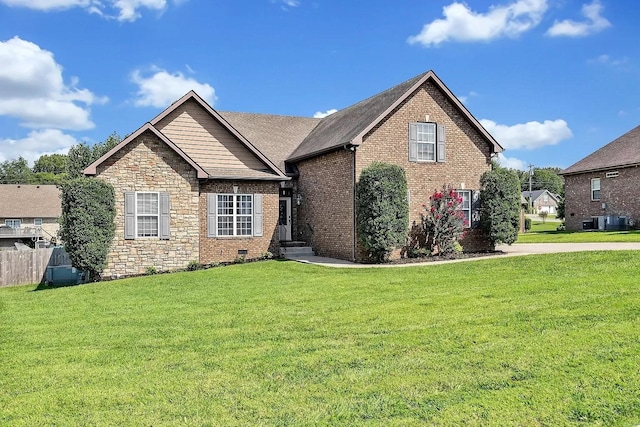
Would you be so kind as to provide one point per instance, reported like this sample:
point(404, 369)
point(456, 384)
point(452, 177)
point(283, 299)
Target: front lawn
point(537, 340)
point(578, 236)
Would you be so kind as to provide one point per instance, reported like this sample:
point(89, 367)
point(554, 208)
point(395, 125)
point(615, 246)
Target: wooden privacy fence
point(29, 267)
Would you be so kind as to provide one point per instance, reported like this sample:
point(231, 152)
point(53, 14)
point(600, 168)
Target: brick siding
point(225, 249)
point(325, 217)
point(468, 155)
point(619, 194)
point(326, 182)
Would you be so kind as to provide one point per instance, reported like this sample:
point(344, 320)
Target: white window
point(13, 223)
point(465, 206)
point(37, 222)
point(147, 214)
point(426, 139)
point(427, 142)
point(595, 189)
point(234, 215)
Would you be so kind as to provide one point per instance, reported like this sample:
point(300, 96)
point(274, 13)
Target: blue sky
point(552, 80)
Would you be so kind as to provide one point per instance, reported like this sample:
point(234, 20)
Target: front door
point(284, 219)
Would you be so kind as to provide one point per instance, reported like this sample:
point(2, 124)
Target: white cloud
point(593, 24)
point(36, 144)
point(464, 25)
point(32, 89)
point(321, 115)
point(161, 88)
point(528, 135)
point(511, 162)
point(123, 10)
point(291, 3)
point(606, 60)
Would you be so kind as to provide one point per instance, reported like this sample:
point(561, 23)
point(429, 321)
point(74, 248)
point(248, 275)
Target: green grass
point(538, 226)
point(578, 236)
point(538, 340)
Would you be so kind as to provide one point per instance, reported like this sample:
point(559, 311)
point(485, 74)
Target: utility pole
point(530, 177)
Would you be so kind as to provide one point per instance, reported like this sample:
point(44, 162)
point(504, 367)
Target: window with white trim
point(426, 140)
point(234, 215)
point(595, 189)
point(13, 223)
point(147, 214)
point(465, 206)
point(37, 222)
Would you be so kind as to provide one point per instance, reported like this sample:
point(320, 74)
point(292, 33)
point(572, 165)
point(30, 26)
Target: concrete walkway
point(513, 250)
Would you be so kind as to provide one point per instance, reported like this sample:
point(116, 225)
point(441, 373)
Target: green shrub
point(382, 209)
point(527, 224)
point(87, 223)
point(500, 213)
point(195, 265)
point(151, 270)
point(240, 259)
point(266, 255)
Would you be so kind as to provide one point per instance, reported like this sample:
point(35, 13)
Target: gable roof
point(30, 201)
point(537, 193)
point(350, 125)
point(271, 173)
point(621, 152)
point(91, 169)
point(192, 95)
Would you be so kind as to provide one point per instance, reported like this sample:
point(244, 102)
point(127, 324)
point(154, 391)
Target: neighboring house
point(542, 201)
point(601, 190)
point(28, 212)
point(196, 184)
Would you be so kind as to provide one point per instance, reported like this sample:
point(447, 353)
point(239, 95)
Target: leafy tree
point(87, 223)
point(50, 163)
point(500, 212)
point(444, 222)
point(15, 172)
point(543, 215)
point(546, 178)
point(82, 155)
point(382, 209)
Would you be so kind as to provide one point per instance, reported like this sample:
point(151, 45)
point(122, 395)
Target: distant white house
point(28, 212)
point(542, 201)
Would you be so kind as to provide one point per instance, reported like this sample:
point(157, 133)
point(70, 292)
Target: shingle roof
point(29, 201)
point(537, 193)
point(348, 126)
point(275, 136)
point(623, 151)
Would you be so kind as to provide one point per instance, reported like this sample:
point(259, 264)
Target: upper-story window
point(37, 222)
point(595, 189)
point(147, 214)
point(427, 142)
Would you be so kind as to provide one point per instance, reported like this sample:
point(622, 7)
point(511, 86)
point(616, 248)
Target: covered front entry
point(284, 219)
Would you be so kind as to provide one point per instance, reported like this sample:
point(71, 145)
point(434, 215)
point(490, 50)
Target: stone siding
point(325, 217)
point(619, 194)
point(225, 249)
point(148, 164)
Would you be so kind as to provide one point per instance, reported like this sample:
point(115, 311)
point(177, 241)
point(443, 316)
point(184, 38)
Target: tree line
point(56, 168)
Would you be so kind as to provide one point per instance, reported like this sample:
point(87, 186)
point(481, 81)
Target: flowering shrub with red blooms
point(444, 222)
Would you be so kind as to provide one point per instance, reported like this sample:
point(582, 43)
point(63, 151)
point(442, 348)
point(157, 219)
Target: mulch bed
point(464, 255)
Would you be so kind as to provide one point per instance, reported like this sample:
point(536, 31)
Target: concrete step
point(296, 251)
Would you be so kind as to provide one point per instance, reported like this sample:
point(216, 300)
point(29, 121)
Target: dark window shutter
point(257, 215)
point(413, 142)
point(212, 208)
point(442, 139)
point(129, 215)
point(475, 209)
point(165, 217)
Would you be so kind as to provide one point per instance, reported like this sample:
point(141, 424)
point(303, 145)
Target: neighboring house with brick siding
point(195, 184)
point(28, 212)
point(601, 190)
